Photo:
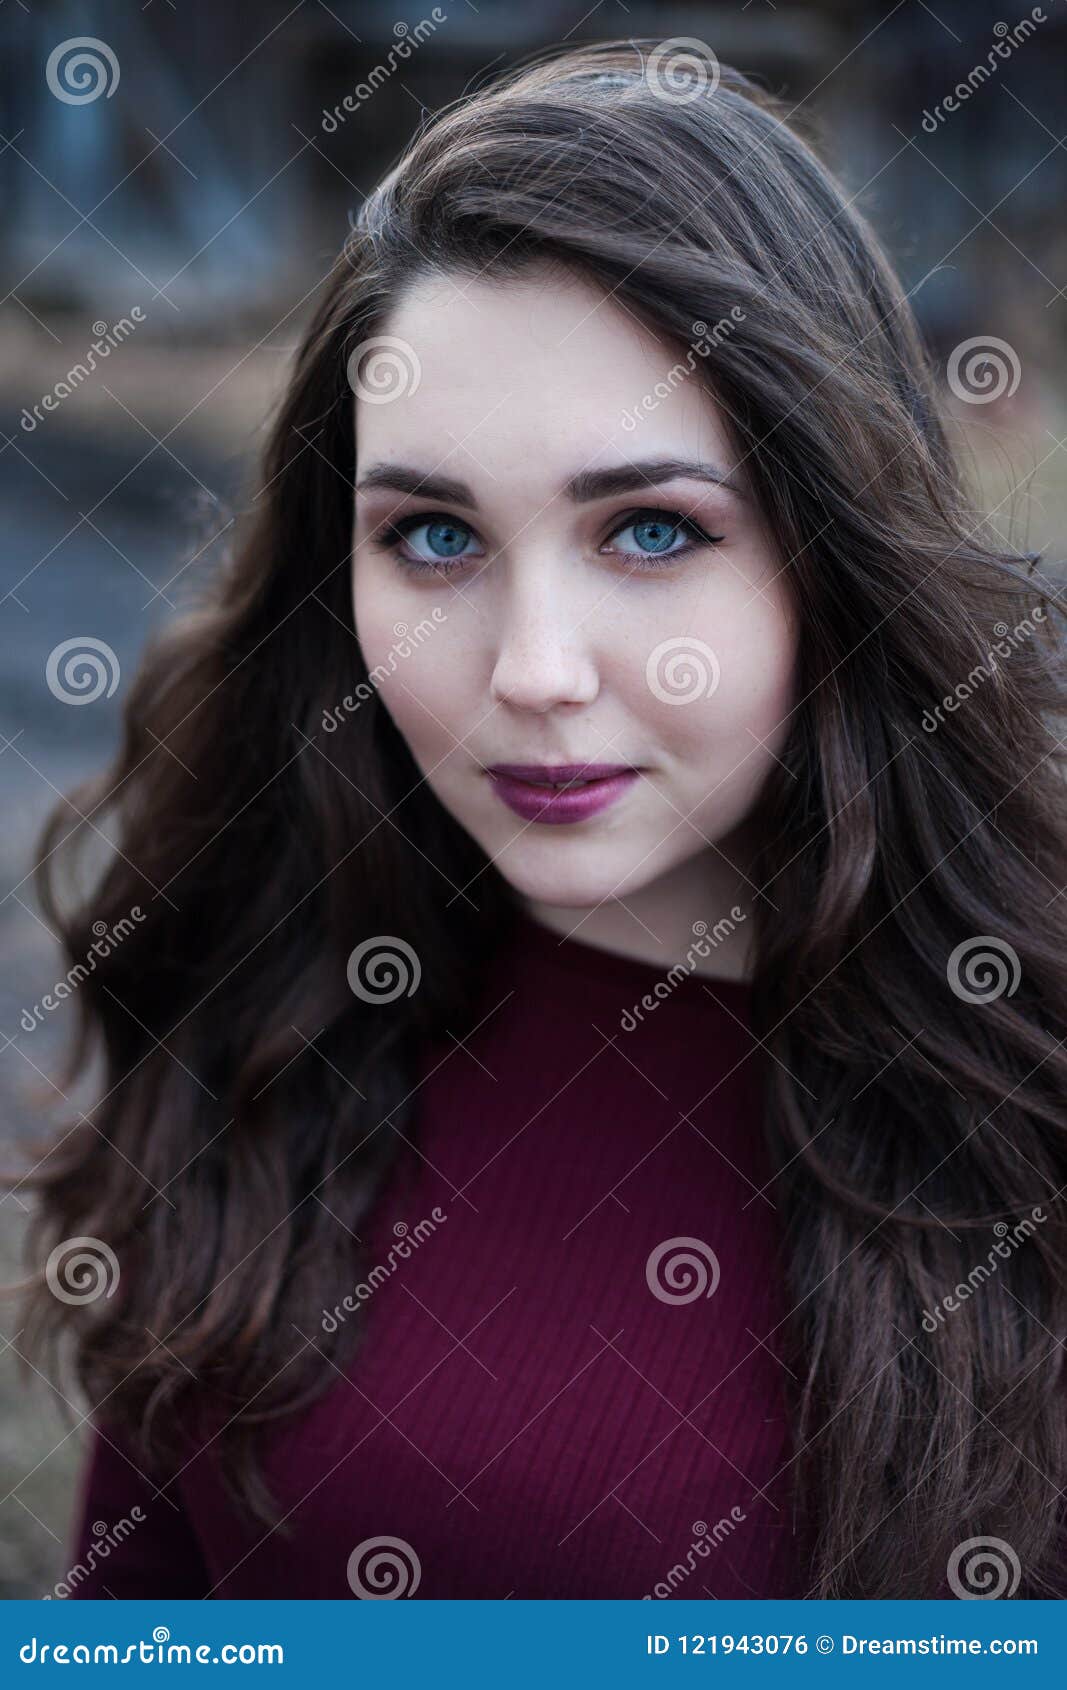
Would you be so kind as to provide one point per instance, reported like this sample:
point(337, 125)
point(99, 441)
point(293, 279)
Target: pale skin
point(552, 610)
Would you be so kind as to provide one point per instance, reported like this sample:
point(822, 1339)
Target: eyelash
point(392, 536)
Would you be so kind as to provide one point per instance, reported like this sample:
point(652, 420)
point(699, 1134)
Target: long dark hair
point(915, 1106)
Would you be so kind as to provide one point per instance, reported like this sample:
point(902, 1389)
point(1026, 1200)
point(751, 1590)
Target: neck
point(705, 901)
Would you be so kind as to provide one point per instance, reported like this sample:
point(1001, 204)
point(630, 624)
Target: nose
point(543, 657)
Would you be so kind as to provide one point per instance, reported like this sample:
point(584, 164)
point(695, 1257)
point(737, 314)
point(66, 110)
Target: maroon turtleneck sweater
point(540, 1408)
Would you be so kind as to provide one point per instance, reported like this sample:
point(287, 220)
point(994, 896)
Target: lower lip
point(544, 804)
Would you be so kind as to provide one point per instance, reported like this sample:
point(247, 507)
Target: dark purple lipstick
point(560, 792)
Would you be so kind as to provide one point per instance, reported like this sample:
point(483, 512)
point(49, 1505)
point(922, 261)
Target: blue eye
point(656, 533)
point(444, 540)
point(438, 543)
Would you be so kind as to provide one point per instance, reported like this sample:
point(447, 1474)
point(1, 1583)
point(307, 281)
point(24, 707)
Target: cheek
point(378, 603)
point(758, 685)
point(728, 680)
point(417, 660)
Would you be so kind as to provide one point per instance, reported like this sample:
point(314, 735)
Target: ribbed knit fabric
point(548, 1402)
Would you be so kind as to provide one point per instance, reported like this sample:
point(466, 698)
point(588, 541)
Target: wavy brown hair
point(914, 1111)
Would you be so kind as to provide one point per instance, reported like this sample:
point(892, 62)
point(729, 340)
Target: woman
point(508, 1186)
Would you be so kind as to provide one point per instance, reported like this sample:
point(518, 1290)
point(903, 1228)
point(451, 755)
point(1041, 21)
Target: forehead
point(544, 371)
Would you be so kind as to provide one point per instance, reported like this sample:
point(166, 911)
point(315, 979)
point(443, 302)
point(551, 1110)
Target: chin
point(574, 885)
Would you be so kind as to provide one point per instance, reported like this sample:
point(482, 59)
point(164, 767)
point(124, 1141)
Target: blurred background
point(177, 197)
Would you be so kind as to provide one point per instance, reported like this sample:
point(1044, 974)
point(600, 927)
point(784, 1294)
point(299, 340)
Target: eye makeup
point(654, 527)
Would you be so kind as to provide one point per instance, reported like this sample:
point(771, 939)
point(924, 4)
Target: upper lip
point(559, 771)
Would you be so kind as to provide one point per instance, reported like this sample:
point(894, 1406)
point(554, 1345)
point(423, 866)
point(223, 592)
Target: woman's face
point(544, 583)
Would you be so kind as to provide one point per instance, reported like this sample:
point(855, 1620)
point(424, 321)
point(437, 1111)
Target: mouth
point(554, 793)
point(557, 777)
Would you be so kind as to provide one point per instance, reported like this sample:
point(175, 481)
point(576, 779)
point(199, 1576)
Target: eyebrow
point(582, 488)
